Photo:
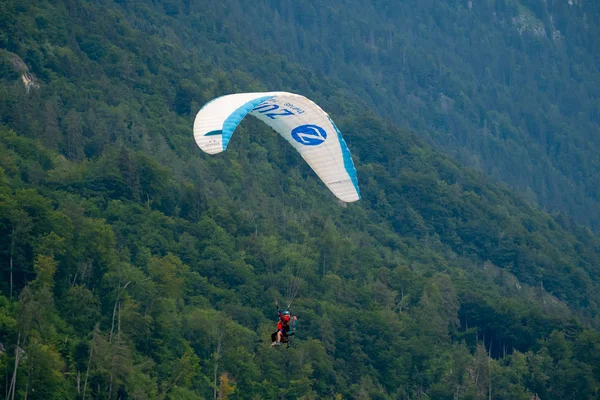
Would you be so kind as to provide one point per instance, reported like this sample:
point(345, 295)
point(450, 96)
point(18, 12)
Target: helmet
point(286, 318)
point(286, 312)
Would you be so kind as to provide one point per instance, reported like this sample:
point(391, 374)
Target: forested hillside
point(506, 86)
point(136, 267)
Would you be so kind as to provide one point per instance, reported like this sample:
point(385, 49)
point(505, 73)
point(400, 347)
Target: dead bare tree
point(117, 300)
point(13, 381)
point(219, 335)
point(87, 372)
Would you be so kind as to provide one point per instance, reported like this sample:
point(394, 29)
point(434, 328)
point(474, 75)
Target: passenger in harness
point(286, 327)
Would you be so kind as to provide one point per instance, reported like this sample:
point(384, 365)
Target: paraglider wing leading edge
point(297, 119)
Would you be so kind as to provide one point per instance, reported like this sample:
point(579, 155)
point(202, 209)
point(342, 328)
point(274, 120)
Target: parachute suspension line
point(299, 272)
point(283, 208)
point(287, 281)
point(294, 284)
point(273, 281)
point(288, 289)
point(297, 283)
point(288, 292)
point(275, 285)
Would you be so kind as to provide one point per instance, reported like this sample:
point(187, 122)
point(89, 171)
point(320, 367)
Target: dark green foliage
point(508, 87)
point(133, 266)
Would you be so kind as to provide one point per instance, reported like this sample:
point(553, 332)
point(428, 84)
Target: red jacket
point(283, 319)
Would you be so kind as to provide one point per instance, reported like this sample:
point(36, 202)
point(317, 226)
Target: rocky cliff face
point(19, 66)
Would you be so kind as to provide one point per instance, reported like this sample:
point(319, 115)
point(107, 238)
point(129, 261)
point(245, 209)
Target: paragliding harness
point(287, 329)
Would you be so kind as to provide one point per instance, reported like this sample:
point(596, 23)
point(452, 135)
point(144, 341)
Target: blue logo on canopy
point(309, 135)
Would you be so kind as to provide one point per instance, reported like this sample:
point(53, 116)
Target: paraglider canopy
point(300, 121)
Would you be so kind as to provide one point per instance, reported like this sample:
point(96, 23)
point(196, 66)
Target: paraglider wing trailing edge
point(300, 121)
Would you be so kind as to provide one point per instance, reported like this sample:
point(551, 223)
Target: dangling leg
point(276, 338)
point(286, 339)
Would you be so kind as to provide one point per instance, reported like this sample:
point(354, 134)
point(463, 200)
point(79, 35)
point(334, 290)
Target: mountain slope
point(509, 87)
point(142, 268)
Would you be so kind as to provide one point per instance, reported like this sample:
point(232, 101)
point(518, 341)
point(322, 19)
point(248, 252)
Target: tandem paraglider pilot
point(286, 327)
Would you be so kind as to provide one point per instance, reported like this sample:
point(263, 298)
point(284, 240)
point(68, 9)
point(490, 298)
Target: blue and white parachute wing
point(300, 121)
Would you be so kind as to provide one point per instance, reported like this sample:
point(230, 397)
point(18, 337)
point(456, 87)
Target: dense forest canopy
point(135, 267)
